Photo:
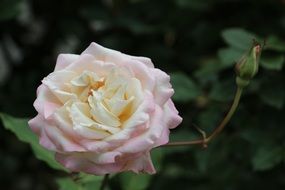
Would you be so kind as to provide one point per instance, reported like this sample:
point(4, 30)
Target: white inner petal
point(80, 114)
point(98, 106)
point(117, 106)
point(101, 114)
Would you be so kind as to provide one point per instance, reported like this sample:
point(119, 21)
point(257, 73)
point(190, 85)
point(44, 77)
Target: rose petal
point(140, 66)
point(147, 61)
point(79, 163)
point(49, 109)
point(63, 60)
point(57, 83)
point(147, 140)
point(137, 121)
point(163, 90)
point(164, 138)
point(88, 62)
point(37, 125)
point(109, 55)
point(104, 54)
point(61, 140)
point(59, 80)
point(86, 127)
point(171, 115)
point(143, 73)
point(44, 95)
point(142, 164)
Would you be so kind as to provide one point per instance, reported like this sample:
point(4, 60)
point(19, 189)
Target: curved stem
point(222, 125)
point(228, 116)
point(104, 182)
point(182, 143)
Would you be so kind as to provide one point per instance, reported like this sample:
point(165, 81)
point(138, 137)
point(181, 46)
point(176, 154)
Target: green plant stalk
point(104, 182)
point(218, 129)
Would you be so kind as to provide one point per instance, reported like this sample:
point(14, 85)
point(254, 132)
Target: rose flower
point(103, 111)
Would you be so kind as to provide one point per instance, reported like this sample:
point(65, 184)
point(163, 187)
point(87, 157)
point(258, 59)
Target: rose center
point(110, 100)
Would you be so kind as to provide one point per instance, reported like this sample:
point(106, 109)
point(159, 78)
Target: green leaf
point(238, 38)
point(229, 56)
point(184, 87)
point(87, 178)
point(93, 185)
point(267, 157)
point(208, 69)
point(132, 181)
point(223, 91)
point(273, 62)
point(20, 128)
point(210, 117)
point(274, 43)
point(90, 182)
point(67, 184)
point(83, 182)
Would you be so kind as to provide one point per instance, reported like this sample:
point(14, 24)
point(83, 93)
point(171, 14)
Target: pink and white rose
point(103, 111)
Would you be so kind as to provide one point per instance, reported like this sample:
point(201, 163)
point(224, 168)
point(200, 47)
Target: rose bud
point(248, 65)
point(103, 111)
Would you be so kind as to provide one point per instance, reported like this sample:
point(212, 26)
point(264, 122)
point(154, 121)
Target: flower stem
point(217, 130)
point(104, 182)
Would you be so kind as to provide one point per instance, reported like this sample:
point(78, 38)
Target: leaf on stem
point(21, 129)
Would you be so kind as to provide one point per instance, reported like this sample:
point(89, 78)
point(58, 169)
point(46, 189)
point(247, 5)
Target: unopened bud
point(247, 67)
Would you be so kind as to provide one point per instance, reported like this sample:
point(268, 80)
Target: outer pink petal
point(141, 164)
point(59, 80)
point(164, 138)
point(163, 89)
point(51, 137)
point(147, 61)
point(37, 125)
point(171, 115)
point(103, 54)
point(63, 60)
point(109, 55)
point(99, 146)
point(79, 163)
point(87, 62)
point(172, 120)
point(142, 72)
point(63, 122)
point(139, 65)
point(62, 142)
point(58, 84)
point(49, 109)
point(104, 158)
point(45, 96)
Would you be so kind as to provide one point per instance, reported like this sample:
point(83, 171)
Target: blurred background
point(197, 42)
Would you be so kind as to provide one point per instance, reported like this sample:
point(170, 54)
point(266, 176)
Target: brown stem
point(104, 182)
point(217, 130)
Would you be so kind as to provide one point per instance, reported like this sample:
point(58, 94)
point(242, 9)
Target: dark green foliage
point(20, 128)
point(197, 42)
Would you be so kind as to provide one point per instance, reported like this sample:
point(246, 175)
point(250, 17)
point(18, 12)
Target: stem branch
point(217, 130)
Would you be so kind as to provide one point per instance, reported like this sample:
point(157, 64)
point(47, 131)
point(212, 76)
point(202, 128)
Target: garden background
point(196, 42)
